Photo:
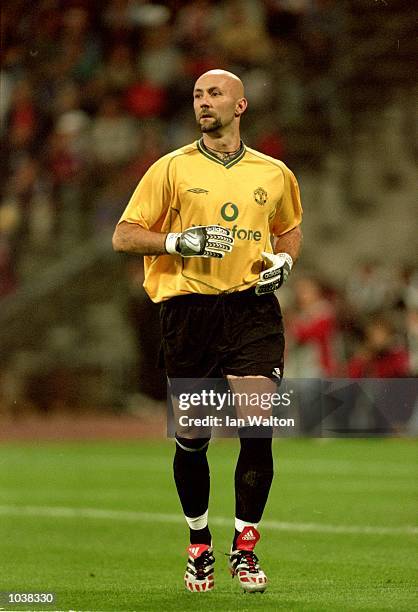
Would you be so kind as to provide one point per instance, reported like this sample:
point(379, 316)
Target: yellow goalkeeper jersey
point(254, 195)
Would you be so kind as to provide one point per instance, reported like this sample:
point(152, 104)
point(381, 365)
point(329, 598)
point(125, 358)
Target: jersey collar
point(231, 162)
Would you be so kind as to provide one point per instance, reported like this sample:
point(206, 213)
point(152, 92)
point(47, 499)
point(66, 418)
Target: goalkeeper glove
point(200, 241)
point(274, 277)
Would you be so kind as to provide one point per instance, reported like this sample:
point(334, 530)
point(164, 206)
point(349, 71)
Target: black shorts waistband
point(247, 295)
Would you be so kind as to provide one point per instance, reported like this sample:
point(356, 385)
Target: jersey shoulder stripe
point(266, 158)
point(186, 150)
point(165, 161)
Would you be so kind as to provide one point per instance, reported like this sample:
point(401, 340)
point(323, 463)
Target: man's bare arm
point(132, 238)
point(290, 243)
point(195, 241)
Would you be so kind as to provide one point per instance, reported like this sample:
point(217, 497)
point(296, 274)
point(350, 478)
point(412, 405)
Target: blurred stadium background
point(94, 92)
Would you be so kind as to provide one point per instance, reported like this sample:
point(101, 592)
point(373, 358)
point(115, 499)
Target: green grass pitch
point(99, 524)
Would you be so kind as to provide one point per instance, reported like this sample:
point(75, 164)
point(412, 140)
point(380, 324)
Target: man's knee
point(192, 445)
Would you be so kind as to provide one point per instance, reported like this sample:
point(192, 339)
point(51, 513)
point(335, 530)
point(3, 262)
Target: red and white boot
point(200, 567)
point(243, 562)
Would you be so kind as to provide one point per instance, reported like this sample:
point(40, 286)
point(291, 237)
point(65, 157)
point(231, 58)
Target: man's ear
point(241, 107)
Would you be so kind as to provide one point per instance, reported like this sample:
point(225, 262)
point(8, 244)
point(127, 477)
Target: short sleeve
point(152, 196)
point(289, 209)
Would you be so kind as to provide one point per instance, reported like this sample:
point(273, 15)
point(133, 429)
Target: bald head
point(222, 78)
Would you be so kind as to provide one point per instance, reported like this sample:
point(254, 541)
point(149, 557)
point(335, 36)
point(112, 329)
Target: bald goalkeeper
point(218, 224)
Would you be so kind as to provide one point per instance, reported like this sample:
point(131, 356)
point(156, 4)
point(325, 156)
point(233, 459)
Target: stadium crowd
point(93, 93)
point(366, 329)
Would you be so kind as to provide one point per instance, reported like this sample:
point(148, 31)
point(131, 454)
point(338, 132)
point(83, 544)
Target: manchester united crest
point(260, 196)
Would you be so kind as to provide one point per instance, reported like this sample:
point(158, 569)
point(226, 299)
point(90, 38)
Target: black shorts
point(214, 335)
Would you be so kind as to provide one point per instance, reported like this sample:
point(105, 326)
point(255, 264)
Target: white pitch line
point(151, 517)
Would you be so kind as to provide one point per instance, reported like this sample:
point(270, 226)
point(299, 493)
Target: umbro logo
point(277, 372)
point(249, 536)
point(198, 190)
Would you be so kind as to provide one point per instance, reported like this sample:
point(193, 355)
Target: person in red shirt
point(314, 327)
point(388, 406)
point(381, 355)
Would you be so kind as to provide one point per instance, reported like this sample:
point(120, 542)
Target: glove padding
point(274, 277)
point(200, 241)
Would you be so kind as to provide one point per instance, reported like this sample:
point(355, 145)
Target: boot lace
point(247, 558)
point(201, 563)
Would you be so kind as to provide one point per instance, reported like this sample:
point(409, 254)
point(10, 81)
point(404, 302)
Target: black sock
point(253, 477)
point(200, 536)
point(191, 475)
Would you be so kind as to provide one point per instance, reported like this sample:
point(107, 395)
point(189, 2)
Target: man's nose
point(204, 102)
